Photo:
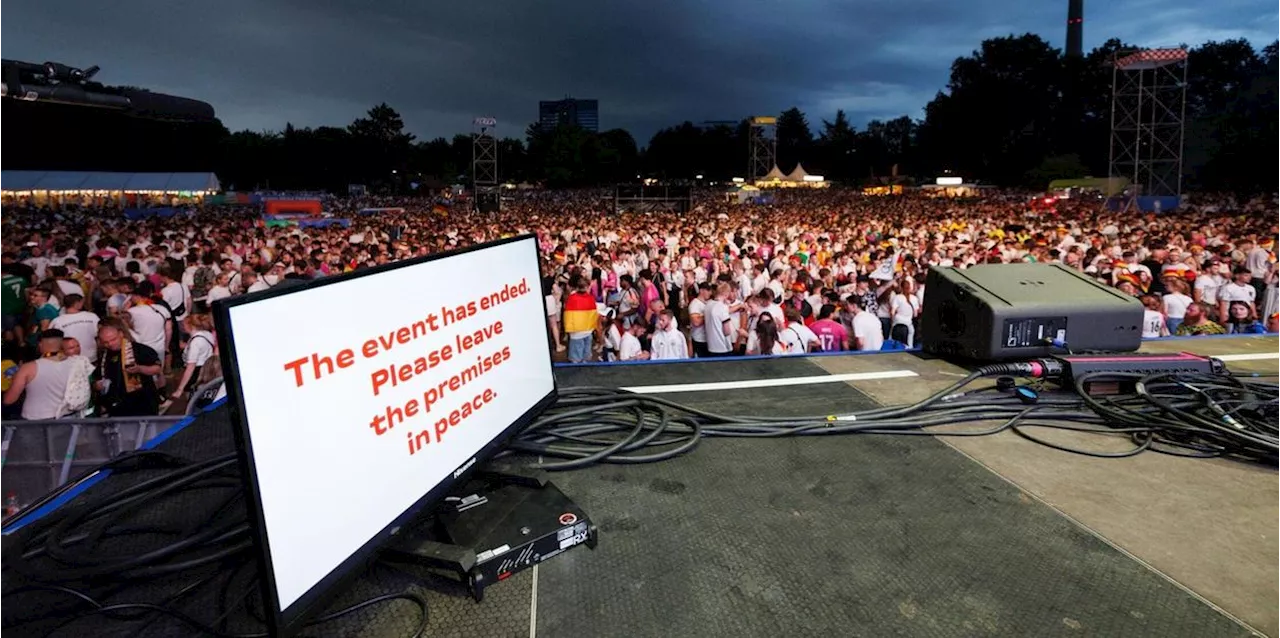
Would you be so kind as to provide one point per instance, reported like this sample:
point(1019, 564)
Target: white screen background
point(327, 483)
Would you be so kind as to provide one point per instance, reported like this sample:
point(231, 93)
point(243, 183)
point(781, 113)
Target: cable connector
point(1038, 368)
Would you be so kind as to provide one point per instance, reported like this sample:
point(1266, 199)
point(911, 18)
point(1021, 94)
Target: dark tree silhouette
point(1015, 111)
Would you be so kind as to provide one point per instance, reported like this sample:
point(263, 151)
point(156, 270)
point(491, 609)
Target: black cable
point(605, 425)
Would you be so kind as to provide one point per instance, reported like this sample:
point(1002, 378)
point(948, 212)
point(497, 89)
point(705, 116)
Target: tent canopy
point(797, 175)
point(98, 181)
point(773, 174)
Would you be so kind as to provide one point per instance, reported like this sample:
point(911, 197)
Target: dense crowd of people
point(109, 317)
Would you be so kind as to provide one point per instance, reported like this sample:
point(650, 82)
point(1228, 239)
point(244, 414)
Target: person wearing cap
point(797, 301)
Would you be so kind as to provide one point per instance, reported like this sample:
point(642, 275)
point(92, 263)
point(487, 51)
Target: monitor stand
point(503, 520)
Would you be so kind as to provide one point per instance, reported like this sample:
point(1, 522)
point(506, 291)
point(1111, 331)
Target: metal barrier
point(39, 456)
point(204, 395)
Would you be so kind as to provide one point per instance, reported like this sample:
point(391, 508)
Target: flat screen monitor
point(361, 399)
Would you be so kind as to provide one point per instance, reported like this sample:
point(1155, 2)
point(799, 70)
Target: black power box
point(513, 529)
point(502, 523)
point(1115, 373)
point(996, 312)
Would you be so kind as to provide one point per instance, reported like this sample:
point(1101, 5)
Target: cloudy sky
point(262, 63)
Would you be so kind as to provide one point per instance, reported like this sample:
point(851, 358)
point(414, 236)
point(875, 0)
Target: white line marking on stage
point(1250, 356)
point(533, 605)
point(533, 594)
point(770, 383)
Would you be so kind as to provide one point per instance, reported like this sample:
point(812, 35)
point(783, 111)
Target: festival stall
point(799, 178)
point(309, 207)
point(94, 188)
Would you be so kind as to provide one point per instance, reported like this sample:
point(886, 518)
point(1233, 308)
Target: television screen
point(361, 399)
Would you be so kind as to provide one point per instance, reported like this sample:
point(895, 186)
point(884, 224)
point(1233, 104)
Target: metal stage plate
point(845, 536)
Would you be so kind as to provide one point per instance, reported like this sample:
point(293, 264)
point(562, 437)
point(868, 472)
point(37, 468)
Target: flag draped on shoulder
point(580, 314)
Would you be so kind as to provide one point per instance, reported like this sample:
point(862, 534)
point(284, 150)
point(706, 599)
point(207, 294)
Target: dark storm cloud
point(650, 64)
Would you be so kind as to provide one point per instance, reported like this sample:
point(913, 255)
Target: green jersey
point(13, 295)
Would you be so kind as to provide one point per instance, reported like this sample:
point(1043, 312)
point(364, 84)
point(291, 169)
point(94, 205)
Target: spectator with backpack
point(200, 347)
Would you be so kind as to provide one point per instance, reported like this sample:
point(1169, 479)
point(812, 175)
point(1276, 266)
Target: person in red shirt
point(831, 334)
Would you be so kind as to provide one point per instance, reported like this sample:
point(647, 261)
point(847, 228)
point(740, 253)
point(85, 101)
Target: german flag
point(580, 314)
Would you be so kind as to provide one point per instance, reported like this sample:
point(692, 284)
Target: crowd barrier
point(39, 456)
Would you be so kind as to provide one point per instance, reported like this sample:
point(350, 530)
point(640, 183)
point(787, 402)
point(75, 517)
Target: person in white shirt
point(668, 343)
point(75, 323)
point(1240, 289)
point(904, 308)
point(722, 332)
point(764, 339)
point(629, 349)
point(200, 348)
point(867, 334)
point(44, 381)
point(797, 337)
point(1207, 286)
point(1175, 302)
point(221, 289)
point(174, 293)
point(252, 282)
point(697, 319)
point(37, 261)
point(1153, 323)
point(612, 335)
point(150, 324)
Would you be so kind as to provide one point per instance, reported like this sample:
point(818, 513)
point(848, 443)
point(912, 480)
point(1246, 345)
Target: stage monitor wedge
point(994, 312)
point(361, 399)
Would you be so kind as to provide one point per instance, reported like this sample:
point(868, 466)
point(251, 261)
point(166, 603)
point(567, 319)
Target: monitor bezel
point(288, 621)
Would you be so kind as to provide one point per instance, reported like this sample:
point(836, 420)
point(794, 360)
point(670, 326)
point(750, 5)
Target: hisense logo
point(464, 467)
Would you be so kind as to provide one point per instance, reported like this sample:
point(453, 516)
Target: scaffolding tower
point(484, 164)
point(763, 151)
point(1148, 108)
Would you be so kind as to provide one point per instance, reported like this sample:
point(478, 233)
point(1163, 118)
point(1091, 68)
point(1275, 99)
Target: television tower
point(1075, 28)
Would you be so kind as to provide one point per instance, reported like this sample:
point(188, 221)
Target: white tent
point(78, 181)
point(797, 175)
point(774, 174)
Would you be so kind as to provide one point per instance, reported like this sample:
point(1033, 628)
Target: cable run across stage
point(1191, 415)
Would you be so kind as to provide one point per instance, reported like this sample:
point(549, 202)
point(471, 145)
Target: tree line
point(1016, 111)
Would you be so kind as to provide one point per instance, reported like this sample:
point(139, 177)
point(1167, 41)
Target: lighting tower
point(1148, 108)
point(763, 151)
point(484, 164)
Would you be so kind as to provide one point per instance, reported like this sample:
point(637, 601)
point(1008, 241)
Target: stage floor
point(871, 535)
point(882, 536)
